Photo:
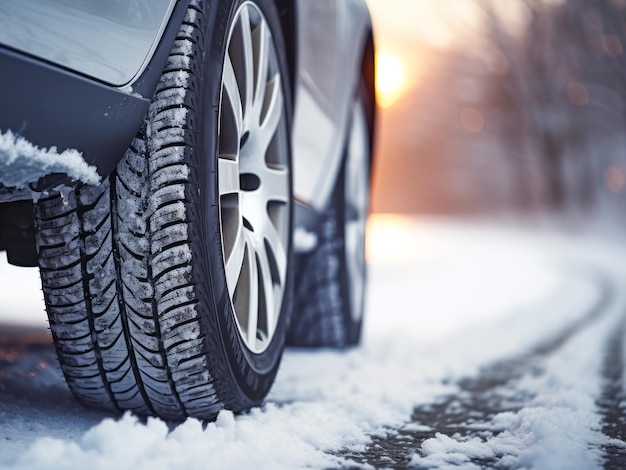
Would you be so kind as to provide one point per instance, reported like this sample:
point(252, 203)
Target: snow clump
point(22, 163)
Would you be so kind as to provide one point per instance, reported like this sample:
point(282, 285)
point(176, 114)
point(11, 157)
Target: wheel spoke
point(275, 184)
point(253, 298)
point(269, 292)
point(265, 232)
point(228, 176)
point(234, 263)
point(248, 56)
point(276, 244)
point(234, 95)
point(274, 112)
point(274, 181)
point(262, 40)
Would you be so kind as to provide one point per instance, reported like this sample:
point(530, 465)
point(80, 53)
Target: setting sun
point(390, 79)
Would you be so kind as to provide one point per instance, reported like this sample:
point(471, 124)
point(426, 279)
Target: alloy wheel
point(254, 178)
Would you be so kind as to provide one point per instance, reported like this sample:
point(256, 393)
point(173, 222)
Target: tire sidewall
point(253, 373)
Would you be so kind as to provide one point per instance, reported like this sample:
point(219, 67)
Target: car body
point(69, 89)
point(114, 81)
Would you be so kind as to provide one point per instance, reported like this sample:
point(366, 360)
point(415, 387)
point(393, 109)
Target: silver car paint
point(109, 40)
point(332, 34)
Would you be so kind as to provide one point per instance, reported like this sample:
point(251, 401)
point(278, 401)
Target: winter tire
point(168, 286)
point(331, 280)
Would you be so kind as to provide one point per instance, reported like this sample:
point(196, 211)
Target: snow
point(303, 240)
point(446, 298)
point(22, 163)
point(21, 299)
point(558, 428)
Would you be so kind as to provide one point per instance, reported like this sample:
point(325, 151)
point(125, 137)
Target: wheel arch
point(287, 13)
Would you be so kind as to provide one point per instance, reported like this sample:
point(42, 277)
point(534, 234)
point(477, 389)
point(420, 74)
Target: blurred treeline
point(527, 114)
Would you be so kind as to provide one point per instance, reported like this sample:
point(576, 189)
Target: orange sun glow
point(390, 79)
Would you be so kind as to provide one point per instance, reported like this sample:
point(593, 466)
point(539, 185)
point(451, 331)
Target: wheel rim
point(253, 178)
point(356, 208)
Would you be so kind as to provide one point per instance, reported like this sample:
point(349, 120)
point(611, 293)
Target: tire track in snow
point(493, 391)
point(612, 403)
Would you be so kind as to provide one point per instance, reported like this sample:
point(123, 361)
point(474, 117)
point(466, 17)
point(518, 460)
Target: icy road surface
point(484, 347)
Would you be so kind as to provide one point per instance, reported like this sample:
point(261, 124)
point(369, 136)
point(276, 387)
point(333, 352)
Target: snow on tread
point(115, 268)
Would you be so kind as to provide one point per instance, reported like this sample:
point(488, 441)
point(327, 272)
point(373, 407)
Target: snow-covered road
point(483, 347)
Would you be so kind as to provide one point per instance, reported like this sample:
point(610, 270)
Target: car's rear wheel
point(331, 280)
point(167, 287)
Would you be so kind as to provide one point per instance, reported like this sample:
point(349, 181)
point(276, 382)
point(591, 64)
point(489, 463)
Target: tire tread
point(109, 284)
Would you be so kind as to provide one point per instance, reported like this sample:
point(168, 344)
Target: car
point(192, 179)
